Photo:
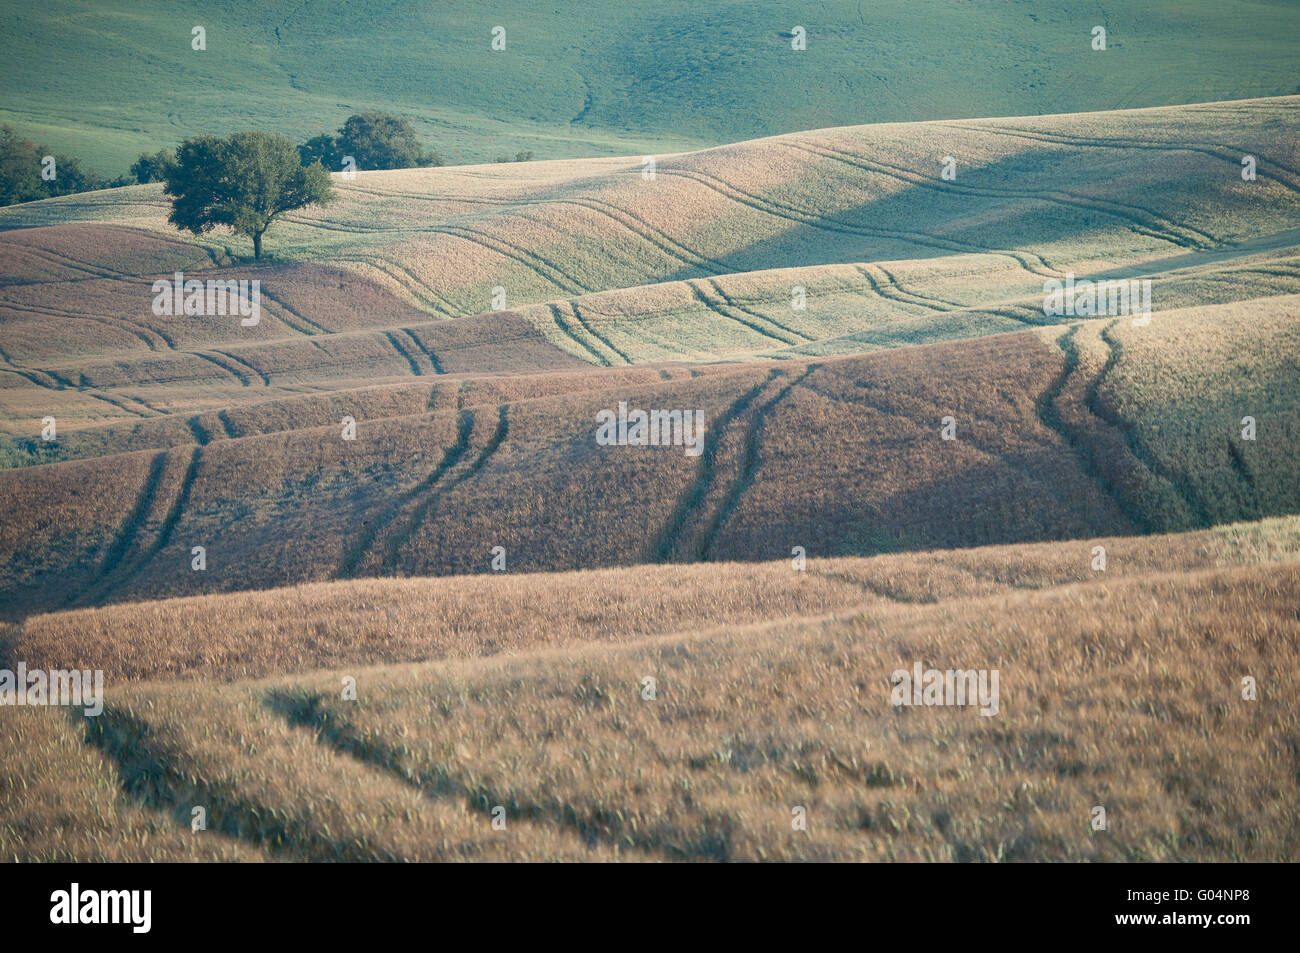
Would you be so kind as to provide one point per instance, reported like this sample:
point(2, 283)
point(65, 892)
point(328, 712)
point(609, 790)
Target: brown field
point(255, 634)
point(827, 302)
point(1105, 429)
point(1117, 690)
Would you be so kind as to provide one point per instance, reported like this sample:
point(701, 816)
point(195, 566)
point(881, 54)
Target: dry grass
point(1120, 688)
point(373, 621)
point(1123, 692)
point(1060, 439)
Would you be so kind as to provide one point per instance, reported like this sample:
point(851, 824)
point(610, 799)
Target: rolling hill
point(476, 427)
point(906, 458)
point(1118, 690)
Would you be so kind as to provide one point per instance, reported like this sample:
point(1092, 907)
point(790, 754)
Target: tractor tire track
point(878, 288)
point(130, 327)
point(749, 465)
point(114, 578)
point(1255, 505)
point(573, 306)
point(828, 223)
point(357, 552)
point(432, 357)
point(1224, 153)
point(421, 512)
point(48, 257)
point(127, 533)
point(169, 523)
point(201, 435)
point(761, 317)
point(694, 498)
point(35, 375)
point(534, 262)
point(391, 338)
point(1127, 428)
point(949, 305)
point(563, 325)
point(721, 311)
point(227, 425)
point(1155, 224)
point(266, 381)
point(205, 356)
point(85, 387)
point(160, 776)
point(1049, 413)
point(531, 260)
point(422, 293)
point(306, 712)
point(311, 326)
point(637, 225)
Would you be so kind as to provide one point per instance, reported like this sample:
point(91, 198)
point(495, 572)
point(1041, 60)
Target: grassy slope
point(109, 80)
point(247, 418)
point(1108, 429)
point(1119, 688)
point(696, 265)
point(251, 635)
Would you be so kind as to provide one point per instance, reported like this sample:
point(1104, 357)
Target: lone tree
point(242, 182)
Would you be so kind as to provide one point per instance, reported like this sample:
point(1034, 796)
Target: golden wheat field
point(366, 580)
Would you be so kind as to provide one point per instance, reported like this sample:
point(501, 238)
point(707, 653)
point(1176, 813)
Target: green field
point(110, 79)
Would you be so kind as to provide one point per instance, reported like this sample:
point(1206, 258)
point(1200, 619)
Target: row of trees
point(246, 181)
point(373, 140)
point(242, 182)
point(29, 171)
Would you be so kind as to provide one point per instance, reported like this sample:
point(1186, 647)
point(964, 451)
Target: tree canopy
point(375, 140)
point(153, 168)
point(21, 165)
point(242, 182)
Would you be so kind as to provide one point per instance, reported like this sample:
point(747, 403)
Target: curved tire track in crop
point(638, 226)
point(308, 712)
point(1224, 153)
point(408, 282)
point(723, 311)
point(538, 264)
point(558, 317)
point(829, 223)
point(731, 303)
point(365, 541)
point(291, 318)
point(121, 324)
point(749, 463)
point(936, 302)
point(429, 355)
point(405, 355)
point(125, 539)
point(160, 775)
point(695, 498)
point(114, 577)
point(1129, 431)
point(266, 381)
point(573, 306)
point(1074, 437)
point(1144, 221)
point(421, 512)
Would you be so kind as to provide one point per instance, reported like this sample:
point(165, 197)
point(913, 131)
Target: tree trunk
point(257, 246)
